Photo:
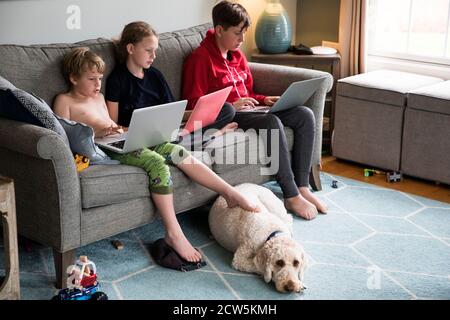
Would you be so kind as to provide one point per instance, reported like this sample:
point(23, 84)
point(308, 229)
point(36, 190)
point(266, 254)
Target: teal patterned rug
point(374, 243)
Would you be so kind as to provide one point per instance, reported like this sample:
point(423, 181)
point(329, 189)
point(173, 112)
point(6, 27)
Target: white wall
point(45, 21)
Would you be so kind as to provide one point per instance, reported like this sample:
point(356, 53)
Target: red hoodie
point(206, 71)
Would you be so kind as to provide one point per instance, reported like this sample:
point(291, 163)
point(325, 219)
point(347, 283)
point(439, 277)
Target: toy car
point(81, 282)
point(371, 172)
point(394, 176)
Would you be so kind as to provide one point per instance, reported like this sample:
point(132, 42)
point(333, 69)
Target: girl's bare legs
point(174, 235)
point(201, 174)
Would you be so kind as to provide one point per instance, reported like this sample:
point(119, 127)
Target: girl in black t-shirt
point(136, 84)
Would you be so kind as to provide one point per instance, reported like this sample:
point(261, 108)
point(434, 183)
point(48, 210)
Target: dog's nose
point(289, 286)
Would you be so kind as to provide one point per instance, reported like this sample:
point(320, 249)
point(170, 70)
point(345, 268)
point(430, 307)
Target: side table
point(309, 61)
point(10, 288)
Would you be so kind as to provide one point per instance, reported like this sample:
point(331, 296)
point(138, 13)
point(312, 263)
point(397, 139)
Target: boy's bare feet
point(301, 207)
point(235, 198)
point(183, 247)
point(308, 195)
point(230, 127)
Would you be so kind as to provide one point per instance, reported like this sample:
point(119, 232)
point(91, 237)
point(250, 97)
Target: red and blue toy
point(81, 282)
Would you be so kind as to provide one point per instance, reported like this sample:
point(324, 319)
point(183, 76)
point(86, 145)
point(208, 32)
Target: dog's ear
point(262, 263)
point(303, 264)
point(268, 272)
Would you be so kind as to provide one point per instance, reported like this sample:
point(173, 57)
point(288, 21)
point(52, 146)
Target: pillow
point(11, 108)
point(81, 139)
point(41, 110)
point(16, 104)
point(5, 84)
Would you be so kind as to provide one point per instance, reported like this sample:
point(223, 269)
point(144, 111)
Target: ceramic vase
point(273, 32)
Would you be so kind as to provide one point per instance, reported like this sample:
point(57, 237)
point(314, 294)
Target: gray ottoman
point(369, 116)
point(426, 135)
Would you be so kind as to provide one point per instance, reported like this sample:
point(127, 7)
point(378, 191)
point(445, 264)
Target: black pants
point(291, 174)
point(195, 140)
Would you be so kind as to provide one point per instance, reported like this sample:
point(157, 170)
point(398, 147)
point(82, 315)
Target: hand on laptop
point(245, 103)
point(110, 130)
point(270, 101)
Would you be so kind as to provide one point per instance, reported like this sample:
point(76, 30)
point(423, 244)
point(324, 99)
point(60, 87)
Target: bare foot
point(308, 195)
point(235, 198)
point(232, 126)
point(301, 207)
point(182, 246)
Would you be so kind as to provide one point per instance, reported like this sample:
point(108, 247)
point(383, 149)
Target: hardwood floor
point(427, 189)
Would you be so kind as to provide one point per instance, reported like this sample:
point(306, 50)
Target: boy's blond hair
point(78, 60)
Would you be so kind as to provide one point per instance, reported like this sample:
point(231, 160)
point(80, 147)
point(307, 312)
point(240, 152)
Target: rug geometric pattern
point(374, 243)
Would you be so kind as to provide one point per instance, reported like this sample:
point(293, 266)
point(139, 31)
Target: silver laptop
point(148, 127)
point(295, 95)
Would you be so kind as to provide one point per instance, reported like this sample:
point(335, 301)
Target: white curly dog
point(262, 242)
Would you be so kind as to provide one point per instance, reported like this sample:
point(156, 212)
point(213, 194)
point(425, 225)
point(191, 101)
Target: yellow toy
point(81, 162)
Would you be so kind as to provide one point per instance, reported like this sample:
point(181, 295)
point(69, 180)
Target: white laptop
point(295, 95)
point(148, 127)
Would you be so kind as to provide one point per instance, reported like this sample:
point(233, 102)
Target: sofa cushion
point(384, 86)
point(81, 139)
point(238, 149)
point(105, 185)
point(434, 98)
point(289, 137)
point(232, 150)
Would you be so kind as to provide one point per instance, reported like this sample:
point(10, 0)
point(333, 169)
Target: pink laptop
point(206, 110)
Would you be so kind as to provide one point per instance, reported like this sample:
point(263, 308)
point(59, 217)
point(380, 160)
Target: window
point(417, 30)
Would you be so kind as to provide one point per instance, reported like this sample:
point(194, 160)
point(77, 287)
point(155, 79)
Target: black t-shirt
point(134, 93)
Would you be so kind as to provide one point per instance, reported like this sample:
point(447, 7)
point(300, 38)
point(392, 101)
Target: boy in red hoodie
point(219, 63)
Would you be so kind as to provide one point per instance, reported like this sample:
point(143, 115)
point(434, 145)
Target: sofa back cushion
point(174, 47)
point(38, 68)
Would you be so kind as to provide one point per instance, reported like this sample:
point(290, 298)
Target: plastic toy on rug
point(371, 172)
point(394, 176)
point(81, 282)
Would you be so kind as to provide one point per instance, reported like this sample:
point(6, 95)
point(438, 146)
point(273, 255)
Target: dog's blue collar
point(274, 234)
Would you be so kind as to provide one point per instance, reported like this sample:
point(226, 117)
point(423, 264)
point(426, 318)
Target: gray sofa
point(64, 210)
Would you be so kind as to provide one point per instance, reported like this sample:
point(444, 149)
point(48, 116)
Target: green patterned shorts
point(155, 161)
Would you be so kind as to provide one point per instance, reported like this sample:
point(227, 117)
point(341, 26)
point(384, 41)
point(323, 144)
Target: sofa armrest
point(274, 79)
point(46, 181)
point(270, 79)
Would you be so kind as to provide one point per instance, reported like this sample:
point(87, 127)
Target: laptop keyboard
point(262, 109)
point(117, 144)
